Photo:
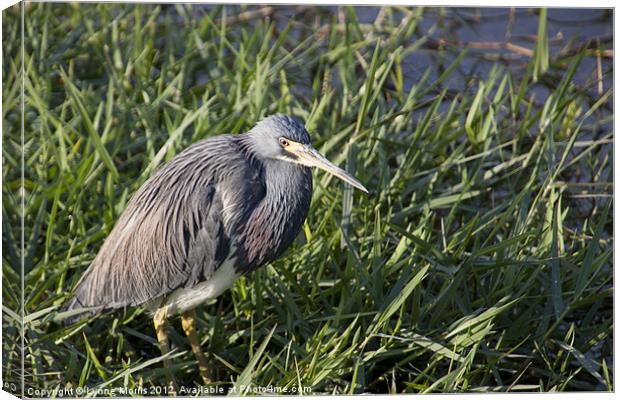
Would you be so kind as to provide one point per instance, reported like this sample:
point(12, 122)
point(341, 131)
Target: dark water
point(478, 30)
point(568, 29)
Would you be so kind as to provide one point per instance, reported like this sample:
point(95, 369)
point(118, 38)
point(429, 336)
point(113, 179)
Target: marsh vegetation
point(482, 261)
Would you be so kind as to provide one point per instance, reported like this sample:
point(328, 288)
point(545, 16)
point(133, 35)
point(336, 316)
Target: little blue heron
point(221, 208)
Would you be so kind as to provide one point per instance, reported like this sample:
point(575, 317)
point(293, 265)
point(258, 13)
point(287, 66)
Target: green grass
point(482, 260)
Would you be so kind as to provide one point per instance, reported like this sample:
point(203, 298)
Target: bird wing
point(176, 230)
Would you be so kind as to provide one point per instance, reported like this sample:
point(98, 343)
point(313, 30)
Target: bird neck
point(282, 177)
point(288, 193)
point(277, 220)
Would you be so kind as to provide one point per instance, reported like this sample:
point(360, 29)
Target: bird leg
point(160, 320)
point(187, 320)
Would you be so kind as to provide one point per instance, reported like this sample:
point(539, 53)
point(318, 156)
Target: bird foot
point(160, 320)
point(189, 326)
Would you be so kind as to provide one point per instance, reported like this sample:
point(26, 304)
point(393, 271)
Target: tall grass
point(482, 261)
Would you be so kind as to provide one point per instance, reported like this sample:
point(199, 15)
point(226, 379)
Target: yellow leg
point(187, 320)
point(160, 320)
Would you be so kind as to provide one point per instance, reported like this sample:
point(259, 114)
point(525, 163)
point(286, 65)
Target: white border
point(479, 3)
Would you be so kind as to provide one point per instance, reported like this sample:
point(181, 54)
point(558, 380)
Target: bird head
point(285, 139)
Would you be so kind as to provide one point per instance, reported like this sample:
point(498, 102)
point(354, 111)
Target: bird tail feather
point(74, 311)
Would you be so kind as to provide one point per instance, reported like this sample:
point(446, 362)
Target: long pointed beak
point(308, 156)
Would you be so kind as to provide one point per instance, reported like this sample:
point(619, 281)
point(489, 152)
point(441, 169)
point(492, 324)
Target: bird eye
point(283, 142)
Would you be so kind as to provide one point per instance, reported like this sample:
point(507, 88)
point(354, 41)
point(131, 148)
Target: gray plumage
point(231, 197)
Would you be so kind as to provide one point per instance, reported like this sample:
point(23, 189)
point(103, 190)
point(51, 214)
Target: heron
point(218, 210)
